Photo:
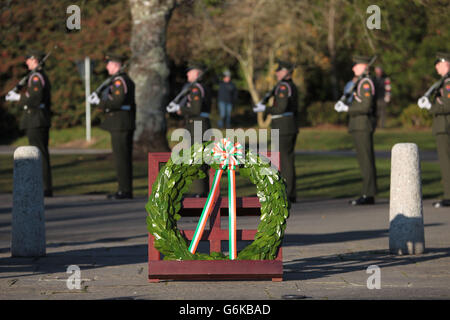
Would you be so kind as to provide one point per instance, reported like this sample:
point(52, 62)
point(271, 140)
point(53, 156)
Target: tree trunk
point(150, 72)
point(332, 47)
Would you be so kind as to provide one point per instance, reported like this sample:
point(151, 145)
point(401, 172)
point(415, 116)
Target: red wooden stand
point(210, 269)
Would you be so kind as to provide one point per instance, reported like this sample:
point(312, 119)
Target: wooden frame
point(210, 269)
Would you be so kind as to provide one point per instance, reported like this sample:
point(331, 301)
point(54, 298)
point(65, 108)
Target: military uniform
point(440, 109)
point(284, 114)
point(196, 108)
point(119, 106)
point(361, 125)
point(36, 119)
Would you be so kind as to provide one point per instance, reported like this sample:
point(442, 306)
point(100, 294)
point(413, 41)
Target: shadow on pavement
point(299, 269)
point(308, 239)
point(91, 258)
point(323, 266)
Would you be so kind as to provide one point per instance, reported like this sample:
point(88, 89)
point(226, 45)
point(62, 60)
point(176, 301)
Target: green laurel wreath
point(174, 180)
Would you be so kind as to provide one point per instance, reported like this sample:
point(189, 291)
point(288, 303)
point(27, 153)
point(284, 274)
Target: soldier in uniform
point(362, 124)
point(440, 110)
point(284, 118)
point(196, 108)
point(119, 106)
point(36, 119)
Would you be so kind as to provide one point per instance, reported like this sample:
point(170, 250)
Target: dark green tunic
point(118, 103)
point(440, 110)
point(284, 118)
point(36, 119)
point(362, 124)
point(196, 109)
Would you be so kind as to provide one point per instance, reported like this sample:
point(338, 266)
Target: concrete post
point(406, 230)
point(28, 220)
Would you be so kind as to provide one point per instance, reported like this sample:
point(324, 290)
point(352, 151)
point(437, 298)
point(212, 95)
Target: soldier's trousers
point(38, 137)
point(363, 141)
point(199, 187)
point(122, 146)
point(287, 162)
point(443, 149)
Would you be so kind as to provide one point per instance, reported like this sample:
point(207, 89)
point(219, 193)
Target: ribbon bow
point(229, 155)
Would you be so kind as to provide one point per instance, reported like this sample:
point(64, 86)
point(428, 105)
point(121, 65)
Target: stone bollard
point(28, 220)
point(406, 230)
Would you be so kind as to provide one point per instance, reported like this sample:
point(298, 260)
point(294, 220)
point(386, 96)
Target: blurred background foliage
point(246, 37)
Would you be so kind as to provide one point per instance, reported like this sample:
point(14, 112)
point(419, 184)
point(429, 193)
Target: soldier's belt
point(41, 106)
point(204, 115)
point(286, 114)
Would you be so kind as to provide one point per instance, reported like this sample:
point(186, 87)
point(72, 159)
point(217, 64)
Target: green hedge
point(414, 117)
point(322, 112)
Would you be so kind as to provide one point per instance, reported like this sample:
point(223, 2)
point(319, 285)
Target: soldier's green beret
point(195, 65)
point(33, 53)
point(442, 56)
point(114, 57)
point(284, 65)
point(361, 59)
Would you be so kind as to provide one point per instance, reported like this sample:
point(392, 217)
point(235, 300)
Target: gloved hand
point(12, 96)
point(424, 103)
point(341, 107)
point(259, 107)
point(173, 107)
point(93, 98)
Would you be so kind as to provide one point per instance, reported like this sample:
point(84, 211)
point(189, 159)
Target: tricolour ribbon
point(229, 155)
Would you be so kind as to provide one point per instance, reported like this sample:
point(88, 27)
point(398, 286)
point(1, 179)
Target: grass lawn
point(308, 139)
point(74, 138)
point(318, 176)
point(340, 139)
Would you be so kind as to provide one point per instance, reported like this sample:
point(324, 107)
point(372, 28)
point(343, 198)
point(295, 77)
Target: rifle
point(24, 80)
point(109, 80)
point(349, 93)
point(186, 90)
point(271, 93)
point(424, 101)
point(259, 116)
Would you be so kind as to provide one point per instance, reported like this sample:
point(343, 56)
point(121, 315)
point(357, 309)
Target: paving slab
point(425, 155)
point(327, 249)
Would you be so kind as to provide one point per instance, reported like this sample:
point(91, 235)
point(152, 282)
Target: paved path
point(327, 249)
point(424, 155)
point(9, 150)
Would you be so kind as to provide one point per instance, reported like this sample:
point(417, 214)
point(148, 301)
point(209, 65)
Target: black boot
point(442, 203)
point(120, 195)
point(363, 200)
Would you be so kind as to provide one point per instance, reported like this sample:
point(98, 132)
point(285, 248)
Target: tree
point(150, 72)
point(262, 35)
